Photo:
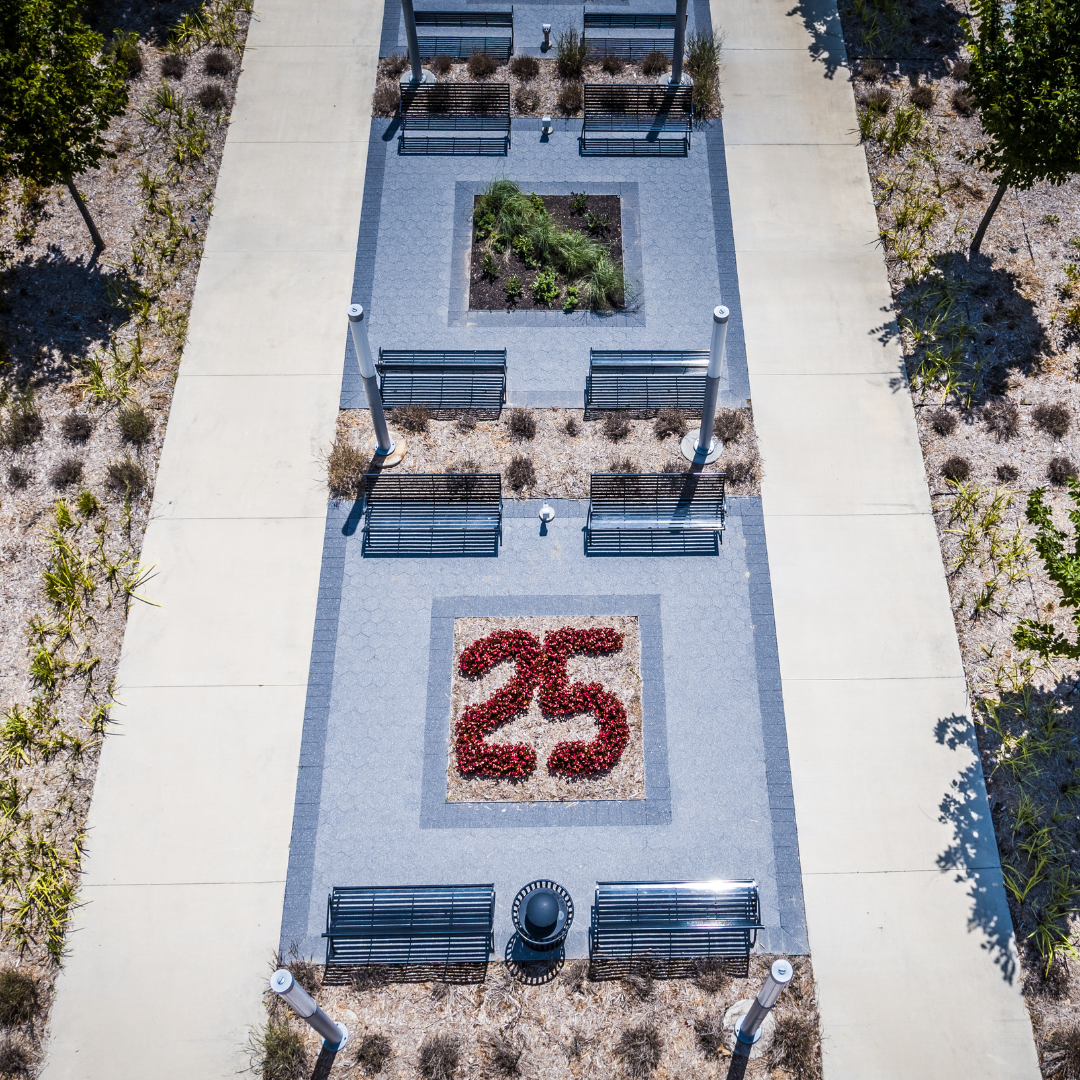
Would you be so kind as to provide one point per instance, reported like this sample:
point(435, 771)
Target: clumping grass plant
point(508, 217)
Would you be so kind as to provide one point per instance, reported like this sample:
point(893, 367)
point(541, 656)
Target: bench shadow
point(372, 976)
point(605, 969)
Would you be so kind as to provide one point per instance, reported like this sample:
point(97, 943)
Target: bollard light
point(700, 446)
point(546, 27)
point(547, 513)
point(334, 1035)
point(546, 126)
point(748, 1030)
point(384, 445)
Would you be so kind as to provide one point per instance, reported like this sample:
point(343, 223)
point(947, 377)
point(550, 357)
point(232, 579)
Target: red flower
point(558, 697)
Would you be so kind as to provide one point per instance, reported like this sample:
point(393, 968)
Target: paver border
point(654, 809)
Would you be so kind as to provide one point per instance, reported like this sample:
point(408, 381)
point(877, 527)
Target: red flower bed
point(558, 697)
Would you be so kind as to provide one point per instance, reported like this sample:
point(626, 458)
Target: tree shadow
point(925, 40)
point(56, 304)
point(822, 23)
point(978, 328)
point(150, 19)
point(967, 810)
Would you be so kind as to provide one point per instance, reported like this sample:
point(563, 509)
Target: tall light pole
point(419, 74)
point(699, 446)
point(679, 48)
point(748, 1030)
point(385, 447)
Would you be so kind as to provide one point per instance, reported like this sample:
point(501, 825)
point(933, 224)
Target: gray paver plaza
point(413, 259)
point(373, 762)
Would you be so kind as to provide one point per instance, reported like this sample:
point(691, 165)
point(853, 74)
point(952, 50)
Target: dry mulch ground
point(562, 462)
point(618, 672)
point(991, 343)
point(489, 291)
point(569, 1027)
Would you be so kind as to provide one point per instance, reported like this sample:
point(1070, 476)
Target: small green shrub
point(579, 202)
point(513, 287)
point(545, 287)
point(489, 267)
point(87, 503)
point(525, 68)
point(481, 66)
point(598, 223)
point(441, 65)
point(282, 1053)
point(571, 301)
point(19, 1000)
point(520, 473)
point(126, 52)
point(655, 63)
point(703, 66)
point(136, 423)
point(522, 246)
point(572, 53)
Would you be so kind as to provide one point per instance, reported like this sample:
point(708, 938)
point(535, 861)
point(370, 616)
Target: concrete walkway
point(189, 829)
point(909, 929)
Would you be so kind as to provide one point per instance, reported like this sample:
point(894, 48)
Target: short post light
point(418, 73)
point(546, 126)
point(700, 446)
point(334, 1035)
point(546, 27)
point(748, 1030)
point(384, 445)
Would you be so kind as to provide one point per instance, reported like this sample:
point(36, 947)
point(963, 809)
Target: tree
point(57, 95)
point(1025, 79)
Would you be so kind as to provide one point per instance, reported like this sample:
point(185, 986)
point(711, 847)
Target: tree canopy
point(1025, 79)
point(57, 92)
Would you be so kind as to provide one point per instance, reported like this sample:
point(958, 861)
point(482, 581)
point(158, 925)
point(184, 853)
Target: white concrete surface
point(189, 828)
point(909, 929)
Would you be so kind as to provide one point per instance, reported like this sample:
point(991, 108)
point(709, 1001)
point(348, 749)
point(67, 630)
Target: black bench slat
point(466, 18)
point(461, 48)
point(666, 507)
point(432, 513)
point(632, 49)
point(646, 379)
point(422, 924)
point(673, 920)
point(601, 20)
point(465, 107)
point(443, 379)
point(651, 111)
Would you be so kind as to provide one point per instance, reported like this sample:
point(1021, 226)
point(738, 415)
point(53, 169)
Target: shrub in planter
point(572, 427)
point(526, 100)
point(962, 102)
point(344, 469)
point(613, 65)
point(439, 1057)
point(441, 65)
point(481, 66)
point(525, 68)
point(66, 472)
point(373, 1053)
point(1007, 474)
point(571, 52)
point(18, 477)
point(640, 1048)
point(923, 96)
point(173, 66)
point(211, 95)
point(522, 424)
point(386, 98)
point(943, 422)
point(1002, 418)
point(655, 63)
point(136, 423)
point(670, 422)
point(615, 426)
point(622, 465)
point(18, 996)
point(393, 66)
point(1059, 470)
point(730, 424)
point(570, 98)
point(413, 418)
point(1052, 417)
point(126, 477)
point(520, 473)
point(76, 427)
point(871, 70)
point(126, 50)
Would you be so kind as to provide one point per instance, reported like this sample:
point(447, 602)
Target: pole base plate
point(691, 453)
point(733, 1018)
point(665, 80)
point(385, 461)
point(427, 77)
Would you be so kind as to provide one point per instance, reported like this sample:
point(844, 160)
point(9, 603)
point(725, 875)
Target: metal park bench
point(629, 48)
point(423, 924)
point(455, 107)
point(642, 380)
point(501, 47)
point(637, 120)
point(622, 20)
point(443, 380)
point(672, 920)
point(654, 512)
point(432, 514)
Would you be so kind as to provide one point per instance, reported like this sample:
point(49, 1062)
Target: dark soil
point(486, 294)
